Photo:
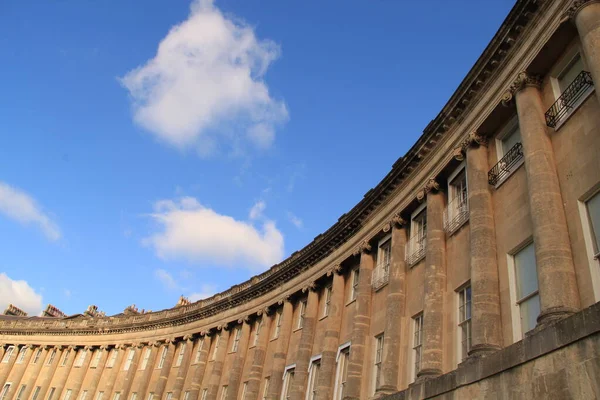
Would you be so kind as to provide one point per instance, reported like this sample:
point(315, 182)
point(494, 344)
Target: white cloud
point(197, 233)
point(20, 294)
point(295, 220)
point(166, 279)
point(19, 206)
point(257, 210)
point(204, 292)
point(207, 76)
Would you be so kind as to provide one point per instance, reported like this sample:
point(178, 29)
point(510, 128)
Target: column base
point(482, 350)
point(385, 390)
point(427, 373)
point(553, 315)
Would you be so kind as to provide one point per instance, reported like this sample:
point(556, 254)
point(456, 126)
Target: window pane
point(593, 206)
point(530, 309)
point(526, 272)
point(510, 140)
point(570, 73)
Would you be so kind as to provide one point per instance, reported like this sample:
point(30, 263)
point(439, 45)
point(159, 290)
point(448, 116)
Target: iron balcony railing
point(456, 213)
point(569, 98)
point(381, 275)
point(415, 249)
point(506, 165)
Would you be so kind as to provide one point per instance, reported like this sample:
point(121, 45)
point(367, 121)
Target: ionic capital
point(431, 186)
point(523, 80)
point(188, 337)
point(364, 247)
point(265, 311)
point(336, 269)
point(312, 286)
point(577, 6)
point(397, 221)
point(244, 320)
point(284, 300)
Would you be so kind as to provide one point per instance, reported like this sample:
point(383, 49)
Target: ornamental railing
point(569, 98)
point(456, 213)
point(506, 165)
point(415, 249)
point(381, 275)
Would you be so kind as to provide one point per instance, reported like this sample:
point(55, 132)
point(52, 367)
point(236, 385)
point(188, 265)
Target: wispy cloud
point(20, 294)
point(188, 230)
point(21, 207)
point(204, 292)
point(207, 79)
point(297, 222)
point(169, 282)
point(257, 210)
point(166, 279)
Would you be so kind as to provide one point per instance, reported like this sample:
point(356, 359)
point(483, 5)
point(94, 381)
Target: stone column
point(48, 371)
point(130, 373)
point(361, 324)
point(238, 362)
point(97, 372)
point(161, 383)
point(258, 359)
point(395, 304)
point(435, 283)
point(586, 14)
point(280, 355)
point(200, 367)
point(5, 368)
point(486, 328)
point(183, 368)
point(77, 374)
point(64, 372)
point(18, 371)
point(559, 296)
point(305, 346)
point(144, 381)
point(332, 335)
point(114, 371)
point(217, 369)
point(31, 376)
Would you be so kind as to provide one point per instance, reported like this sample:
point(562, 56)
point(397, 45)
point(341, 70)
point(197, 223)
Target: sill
point(323, 317)
point(381, 287)
point(515, 168)
point(417, 261)
point(274, 338)
point(296, 330)
point(568, 115)
point(251, 347)
point(350, 302)
point(457, 228)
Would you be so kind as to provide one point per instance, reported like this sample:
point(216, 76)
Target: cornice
point(324, 245)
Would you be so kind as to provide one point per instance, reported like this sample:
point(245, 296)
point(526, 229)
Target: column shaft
point(76, 375)
point(200, 368)
point(486, 329)
point(35, 372)
point(361, 325)
point(435, 285)
point(238, 363)
point(280, 356)
point(18, 371)
point(5, 368)
point(217, 368)
point(130, 373)
point(97, 372)
point(258, 359)
point(144, 383)
point(587, 20)
point(48, 371)
point(161, 383)
point(331, 338)
point(114, 372)
point(559, 296)
point(305, 346)
point(183, 368)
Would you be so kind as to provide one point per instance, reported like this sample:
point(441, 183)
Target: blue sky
point(157, 148)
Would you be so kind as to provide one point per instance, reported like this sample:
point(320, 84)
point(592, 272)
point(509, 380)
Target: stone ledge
point(563, 333)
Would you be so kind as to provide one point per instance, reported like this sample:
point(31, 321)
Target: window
point(257, 328)
point(528, 298)
point(288, 381)
point(593, 213)
point(36, 392)
point(509, 151)
point(224, 392)
point(301, 314)
point(51, 393)
point(266, 388)
point(36, 357)
point(199, 351)
point(327, 303)
point(151, 396)
point(169, 395)
point(83, 395)
point(112, 359)
point(186, 395)
point(134, 396)
point(457, 210)
point(204, 394)
point(51, 358)
point(96, 360)
point(163, 357)
point(570, 72)
point(354, 288)
point(21, 355)
point(117, 396)
point(8, 354)
point(277, 324)
point(378, 359)
point(381, 273)
point(80, 358)
point(415, 248)
point(100, 395)
point(65, 358)
point(146, 358)
point(464, 321)
point(244, 390)
point(313, 378)
point(68, 394)
point(417, 343)
point(341, 374)
point(4, 393)
point(181, 354)
point(20, 392)
point(129, 360)
point(236, 339)
point(214, 353)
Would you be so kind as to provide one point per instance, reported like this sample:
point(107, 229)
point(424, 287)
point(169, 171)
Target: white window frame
point(96, 359)
point(20, 392)
point(204, 394)
point(237, 335)
point(163, 357)
point(418, 236)
point(457, 205)
point(344, 348)
point(327, 300)
point(593, 253)
point(100, 395)
point(80, 358)
point(224, 391)
point(151, 396)
point(199, 350)
point(21, 355)
point(51, 357)
point(244, 389)
point(37, 356)
point(558, 70)
point(134, 396)
point(417, 328)
point(51, 393)
point(278, 321)
point(257, 327)
point(83, 395)
point(129, 360)
point(117, 396)
point(301, 313)
point(36, 392)
point(377, 361)
point(113, 358)
point(8, 354)
point(313, 377)
point(460, 293)
point(506, 131)
point(169, 396)
point(68, 394)
point(266, 384)
point(381, 272)
point(65, 357)
point(186, 395)
point(180, 354)
point(354, 281)
point(146, 358)
point(213, 356)
point(5, 390)
point(289, 370)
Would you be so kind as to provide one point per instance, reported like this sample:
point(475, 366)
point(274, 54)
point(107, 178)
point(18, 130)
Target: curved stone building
point(469, 271)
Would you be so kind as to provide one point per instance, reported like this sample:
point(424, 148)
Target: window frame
point(463, 303)
point(314, 368)
point(326, 300)
point(341, 370)
point(278, 321)
point(589, 238)
point(511, 126)
point(213, 355)
point(199, 349)
point(97, 358)
point(257, 327)
point(235, 344)
point(8, 354)
point(417, 345)
point(180, 354)
point(266, 384)
point(145, 358)
point(21, 355)
point(20, 392)
point(5, 390)
point(301, 313)
point(110, 363)
point(163, 357)
point(80, 358)
point(516, 302)
point(354, 280)
point(288, 380)
point(378, 360)
point(129, 360)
